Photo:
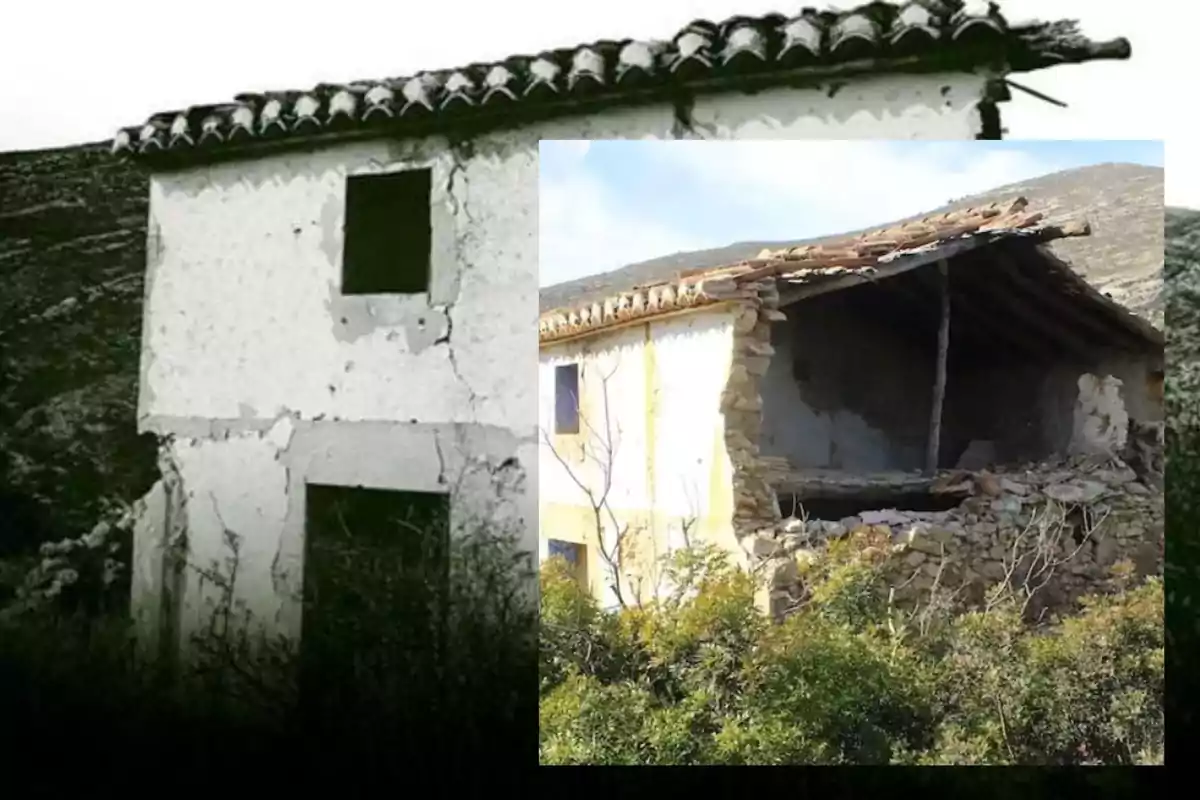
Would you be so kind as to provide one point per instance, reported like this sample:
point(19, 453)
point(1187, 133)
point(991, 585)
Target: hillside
point(1182, 268)
point(1122, 201)
point(72, 256)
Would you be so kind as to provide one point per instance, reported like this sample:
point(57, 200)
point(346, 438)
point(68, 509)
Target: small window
point(571, 552)
point(568, 551)
point(387, 233)
point(566, 398)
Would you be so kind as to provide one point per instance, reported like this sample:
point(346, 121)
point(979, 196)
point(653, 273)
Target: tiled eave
point(741, 53)
point(860, 255)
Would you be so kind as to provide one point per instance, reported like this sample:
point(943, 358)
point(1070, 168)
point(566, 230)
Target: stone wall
point(755, 504)
point(1052, 529)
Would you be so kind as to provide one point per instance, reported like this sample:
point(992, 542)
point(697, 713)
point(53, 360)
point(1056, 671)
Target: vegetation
point(702, 678)
point(356, 693)
point(1182, 288)
point(72, 259)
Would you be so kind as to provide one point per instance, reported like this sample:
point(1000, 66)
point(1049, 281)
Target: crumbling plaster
point(244, 326)
point(844, 392)
point(890, 107)
point(253, 484)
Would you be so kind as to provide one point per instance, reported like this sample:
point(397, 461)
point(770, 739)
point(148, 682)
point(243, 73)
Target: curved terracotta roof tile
point(958, 36)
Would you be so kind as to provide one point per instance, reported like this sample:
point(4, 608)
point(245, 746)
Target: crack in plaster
point(279, 576)
point(460, 151)
point(437, 447)
point(472, 398)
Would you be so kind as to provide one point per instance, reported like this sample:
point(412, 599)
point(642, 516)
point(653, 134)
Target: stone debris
point(1080, 514)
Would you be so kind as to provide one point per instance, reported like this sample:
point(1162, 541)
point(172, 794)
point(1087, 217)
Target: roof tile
point(949, 34)
point(860, 253)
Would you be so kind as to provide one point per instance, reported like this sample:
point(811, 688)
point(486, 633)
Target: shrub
point(234, 695)
point(705, 679)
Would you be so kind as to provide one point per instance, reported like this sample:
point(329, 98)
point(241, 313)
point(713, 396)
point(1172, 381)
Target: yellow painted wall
point(669, 463)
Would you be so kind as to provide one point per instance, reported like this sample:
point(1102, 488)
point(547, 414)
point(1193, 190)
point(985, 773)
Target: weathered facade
point(264, 374)
point(822, 382)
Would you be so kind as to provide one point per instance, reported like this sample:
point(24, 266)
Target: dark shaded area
point(1182, 557)
point(388, 233)
point(836, 508)
point(72, 261)
point(375, 584)
point(1019, 322)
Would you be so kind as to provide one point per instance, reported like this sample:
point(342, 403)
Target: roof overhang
point(739, 54)
point(990, 238)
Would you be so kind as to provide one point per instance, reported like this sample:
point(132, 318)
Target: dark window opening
point(388, 234)
point(376, 576)
point(836, 508)
point(571, 552)
point(566, 398)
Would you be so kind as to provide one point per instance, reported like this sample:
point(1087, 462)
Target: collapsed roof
point(739, 53)
point(1122, 257)
point(1029, 299)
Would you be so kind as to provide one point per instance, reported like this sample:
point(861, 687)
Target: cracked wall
point(830, 393)
point(261, 377)
point(253, 483)
point(244, 313)
point(244, 325)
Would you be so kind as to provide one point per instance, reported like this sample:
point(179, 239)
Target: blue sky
point(605, 204)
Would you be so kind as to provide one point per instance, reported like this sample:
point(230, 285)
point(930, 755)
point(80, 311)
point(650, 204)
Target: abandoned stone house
point(339, 278)
point(860, 381)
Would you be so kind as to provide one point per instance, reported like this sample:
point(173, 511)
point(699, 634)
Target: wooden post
point(939, 385)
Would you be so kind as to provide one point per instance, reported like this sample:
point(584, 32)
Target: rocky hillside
point(72, 256)
point(1124, 203)
point(1182, 271)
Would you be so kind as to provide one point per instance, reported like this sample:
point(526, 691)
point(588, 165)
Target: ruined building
point(341, 280)
point(902, 382)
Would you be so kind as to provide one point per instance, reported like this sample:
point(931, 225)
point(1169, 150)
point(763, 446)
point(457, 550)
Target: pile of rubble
point(1060, 525)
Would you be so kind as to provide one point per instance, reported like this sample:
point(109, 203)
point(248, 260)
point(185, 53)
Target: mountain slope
point(1124, 203)
point(1182, 269)
point(72, 258)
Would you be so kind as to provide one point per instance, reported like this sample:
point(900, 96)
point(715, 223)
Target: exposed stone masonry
point(1060, 525)
point(755, 505)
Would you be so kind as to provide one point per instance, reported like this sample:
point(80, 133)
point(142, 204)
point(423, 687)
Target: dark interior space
point(1016, 326)
point(375, 578)
point(836, 508)
point(1006, 307)
point(388, 233)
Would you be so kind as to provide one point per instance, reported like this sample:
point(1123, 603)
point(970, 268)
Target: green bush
point(701, 677)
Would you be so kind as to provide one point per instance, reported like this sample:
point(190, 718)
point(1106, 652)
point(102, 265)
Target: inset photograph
point(815, 415)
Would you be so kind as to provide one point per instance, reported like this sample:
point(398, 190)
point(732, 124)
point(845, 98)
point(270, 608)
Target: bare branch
point(600, 450)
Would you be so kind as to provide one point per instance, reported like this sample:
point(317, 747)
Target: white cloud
point(584, 230)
